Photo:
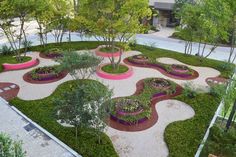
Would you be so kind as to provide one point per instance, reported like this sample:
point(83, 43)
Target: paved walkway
point(126, 144)
point(35, 142)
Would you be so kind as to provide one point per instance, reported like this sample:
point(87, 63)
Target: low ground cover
point(42, 112)
point(109, 69)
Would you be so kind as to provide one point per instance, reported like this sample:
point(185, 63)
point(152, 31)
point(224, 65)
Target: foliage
point(82, 106)
point(5, 50)
point(217, 91)
point(184, 137)
point(220, 143)
point(80, 66)
point(113, 20)
point(190, 90)
point(42, 112)
point(10, 148)
point(52, 70)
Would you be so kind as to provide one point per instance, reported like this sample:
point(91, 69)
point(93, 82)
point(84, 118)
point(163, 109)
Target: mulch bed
point(211, 81)
point(7, 90)
point(27, 77)
point(42, 55)
point(194, 76)
point(154, 116)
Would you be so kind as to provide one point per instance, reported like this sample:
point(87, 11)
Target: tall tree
point(83, 106)
point(114, 20)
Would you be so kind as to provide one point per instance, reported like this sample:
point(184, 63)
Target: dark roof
point(164, 6)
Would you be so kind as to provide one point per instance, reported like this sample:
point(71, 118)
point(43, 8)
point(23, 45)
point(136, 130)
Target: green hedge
point(42, 112)
point(184, 137)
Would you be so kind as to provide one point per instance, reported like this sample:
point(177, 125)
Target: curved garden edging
point(143, 124)
point(55, 56)
point(20, 66)
point(47, 78)
point(109, 76)
point(160, 68)
point(8, 90)
point(106, 54)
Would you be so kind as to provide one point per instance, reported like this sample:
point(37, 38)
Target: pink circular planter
point(105, 54)
point(109, 76)
point(20, 66)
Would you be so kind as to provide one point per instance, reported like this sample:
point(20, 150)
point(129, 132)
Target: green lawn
point(109, 69)
point(42, 112)
point(11, 60)
point(108, 49)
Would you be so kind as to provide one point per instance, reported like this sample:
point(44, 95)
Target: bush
point(5, 50)
point(189, 90)
point(220, 143)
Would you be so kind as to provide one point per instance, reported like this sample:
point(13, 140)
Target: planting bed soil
point(44, 75)
point(8, 91)
point(175, 71)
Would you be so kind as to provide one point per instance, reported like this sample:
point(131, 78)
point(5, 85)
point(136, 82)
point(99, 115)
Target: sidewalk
point(35, 142)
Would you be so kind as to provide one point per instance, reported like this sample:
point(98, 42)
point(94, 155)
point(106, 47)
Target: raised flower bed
point(175, 71)
point(114, 75)
point(44, 75)
point(138, 112)
point(20, 66)
point(53, 53)
point(104, 51)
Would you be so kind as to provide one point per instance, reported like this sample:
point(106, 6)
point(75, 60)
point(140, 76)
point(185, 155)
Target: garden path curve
point(128, 144)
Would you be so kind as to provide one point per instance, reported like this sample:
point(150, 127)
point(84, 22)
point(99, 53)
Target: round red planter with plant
point(111, 76)
point(99, 52)
point(20, 66)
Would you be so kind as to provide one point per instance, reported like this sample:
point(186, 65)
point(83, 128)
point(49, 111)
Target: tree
point(80, 66)
point(207, 26)
point(10, 148)
point(83, 106)
point(114, 20)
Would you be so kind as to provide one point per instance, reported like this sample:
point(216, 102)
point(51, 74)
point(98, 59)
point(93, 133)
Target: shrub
point(189, 90)
point(5, 50)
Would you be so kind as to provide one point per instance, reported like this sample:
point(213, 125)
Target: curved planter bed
point(181, 74)
point(44, 78)
point(20, 66)
point(8, 90)
point(110, 76)
point(144, 123)
point(50, 56)
point(100, 53)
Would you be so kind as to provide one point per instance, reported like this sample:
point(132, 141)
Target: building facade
point(166, 16)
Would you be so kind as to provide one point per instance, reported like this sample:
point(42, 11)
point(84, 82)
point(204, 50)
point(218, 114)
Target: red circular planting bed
point(20, 66)
point(8, 91)
point(142, 124)
point(50, 56)
point(176, 71)
point(43, 78)
point(211, 81)
point(111, 76)
point(107, 54)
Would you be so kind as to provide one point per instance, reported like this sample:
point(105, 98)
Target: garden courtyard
point(154, 113)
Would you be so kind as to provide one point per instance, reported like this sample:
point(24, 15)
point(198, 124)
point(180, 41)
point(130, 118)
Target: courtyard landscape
point(113, 91)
